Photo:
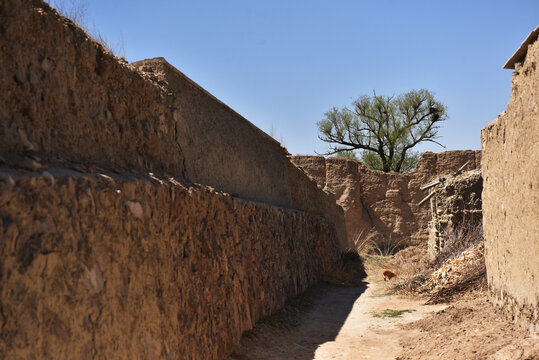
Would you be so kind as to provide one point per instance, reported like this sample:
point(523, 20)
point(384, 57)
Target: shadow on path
point(318, 324)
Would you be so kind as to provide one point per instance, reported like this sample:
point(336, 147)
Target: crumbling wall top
point(520, 54)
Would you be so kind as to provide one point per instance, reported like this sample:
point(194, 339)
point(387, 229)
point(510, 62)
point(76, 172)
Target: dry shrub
point(413, 268)
point(416, 272)
point(351, 270)
point(461, 239)
point(473, 278)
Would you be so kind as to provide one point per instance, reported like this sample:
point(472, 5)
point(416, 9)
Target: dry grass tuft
point(77, 12)
point(365, 244)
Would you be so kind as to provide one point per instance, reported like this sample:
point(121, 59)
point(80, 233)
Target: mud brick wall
point(511, 195)
point(112, 267)
point(384, 206)
point(108, 248)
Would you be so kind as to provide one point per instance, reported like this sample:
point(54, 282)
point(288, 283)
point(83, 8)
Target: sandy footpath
point(339, 325)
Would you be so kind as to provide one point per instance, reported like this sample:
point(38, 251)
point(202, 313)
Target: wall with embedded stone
point(511, 193)
point(104, 266)
point(384, 207)
point(68, 101)
point(109, 249)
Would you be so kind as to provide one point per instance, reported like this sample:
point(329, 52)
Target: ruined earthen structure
point(511, 191)
point(384, 207)
point(109, 248)
point(455, 208)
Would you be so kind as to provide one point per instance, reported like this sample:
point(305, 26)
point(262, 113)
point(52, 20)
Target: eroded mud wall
point(384, 207)
point(108, 249)
point(225, 151)
point(96, 266)
point(67, 100)
point(511, 195)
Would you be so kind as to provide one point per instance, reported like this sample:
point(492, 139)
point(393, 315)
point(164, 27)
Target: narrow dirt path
point(340, 325)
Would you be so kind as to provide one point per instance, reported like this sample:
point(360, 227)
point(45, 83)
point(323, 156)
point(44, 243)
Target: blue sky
point(283, 64)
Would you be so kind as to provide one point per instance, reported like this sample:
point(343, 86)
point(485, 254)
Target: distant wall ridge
point(385, 206)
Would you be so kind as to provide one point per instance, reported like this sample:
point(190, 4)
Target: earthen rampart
point(224, 150)
point(384, 207)
point(69, 101)
point(109, 247)
point(510, 193)
point(102, 266)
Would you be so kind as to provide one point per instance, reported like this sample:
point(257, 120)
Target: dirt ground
point(347, 323)
point(470, 328)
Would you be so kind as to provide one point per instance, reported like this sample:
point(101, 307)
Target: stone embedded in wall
point(455, 208)
point(143, 264)
point(144, 267)
point(69, 102)
point(511, 193)
point(382, 206)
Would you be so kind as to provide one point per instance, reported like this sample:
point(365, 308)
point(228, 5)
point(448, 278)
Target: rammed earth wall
point(67, 99)
point(122, 268)
point(108, 247)
point(225, 151)
point(511, 194)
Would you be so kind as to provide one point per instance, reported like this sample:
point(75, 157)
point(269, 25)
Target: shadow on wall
point(324, 322)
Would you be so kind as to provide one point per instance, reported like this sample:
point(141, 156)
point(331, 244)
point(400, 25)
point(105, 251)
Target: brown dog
point(388, 274)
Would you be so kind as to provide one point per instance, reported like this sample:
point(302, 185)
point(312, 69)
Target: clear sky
point(283, 63)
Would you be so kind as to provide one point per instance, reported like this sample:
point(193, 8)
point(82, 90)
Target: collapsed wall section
point(510, 193)
point(384, 207)
point(455, 208)
point(99, 265)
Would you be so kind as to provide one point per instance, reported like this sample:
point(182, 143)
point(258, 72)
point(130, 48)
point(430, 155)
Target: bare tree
point(385, 128)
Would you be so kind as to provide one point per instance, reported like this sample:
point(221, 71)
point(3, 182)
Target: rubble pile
point(455, 270)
